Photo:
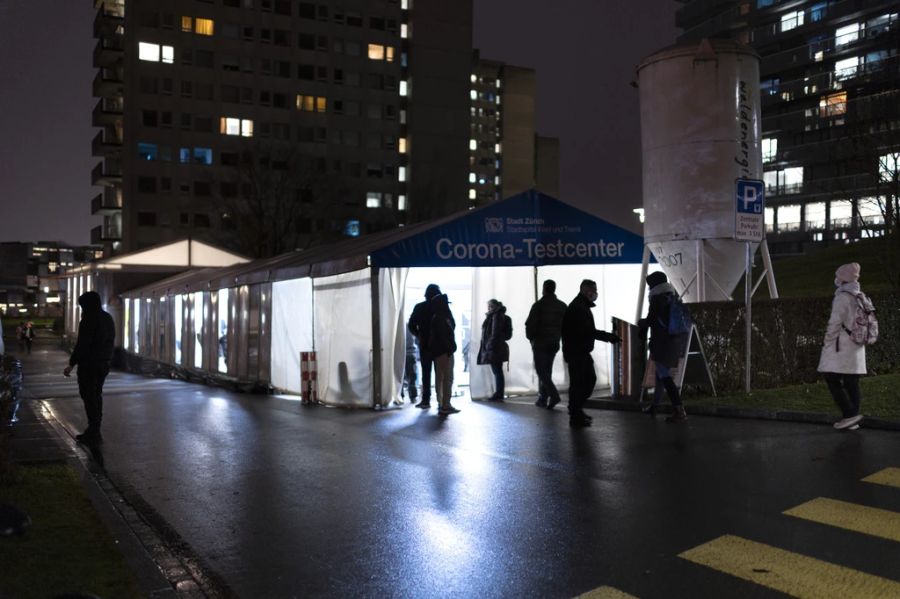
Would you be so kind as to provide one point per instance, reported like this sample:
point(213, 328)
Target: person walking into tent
point(578, 336)
point(92, 354)
point(409, 371)
point(543, 329)
point(496, 330)
point(667, 338)
point(441, 346)
point(851, 326)
point(419, 325)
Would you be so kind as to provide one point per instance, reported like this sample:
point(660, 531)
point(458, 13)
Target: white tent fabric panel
point(392, 286)
point(292, 331)
point(343, 333)
point(514, 287)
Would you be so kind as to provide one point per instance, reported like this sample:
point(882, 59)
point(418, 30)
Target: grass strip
point(67, 548)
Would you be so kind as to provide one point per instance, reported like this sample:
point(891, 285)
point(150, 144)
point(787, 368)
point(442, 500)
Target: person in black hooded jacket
point(92, 354)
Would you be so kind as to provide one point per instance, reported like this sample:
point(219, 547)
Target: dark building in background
point(830, 92)
point(267, 125)
point(506, 155)
point(30, 280)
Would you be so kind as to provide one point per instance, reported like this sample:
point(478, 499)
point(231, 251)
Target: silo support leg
point(770, 272)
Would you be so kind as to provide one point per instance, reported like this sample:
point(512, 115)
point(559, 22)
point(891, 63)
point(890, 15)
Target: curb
point(749, 413)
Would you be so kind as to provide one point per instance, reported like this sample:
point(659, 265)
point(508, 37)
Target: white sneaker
point(855, 427)
point(847, 422)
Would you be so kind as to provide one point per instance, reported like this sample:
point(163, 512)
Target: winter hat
point(431, 291)
point(847, 273)
point(656, 278)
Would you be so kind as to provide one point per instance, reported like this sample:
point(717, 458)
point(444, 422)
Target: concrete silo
point(700, 132)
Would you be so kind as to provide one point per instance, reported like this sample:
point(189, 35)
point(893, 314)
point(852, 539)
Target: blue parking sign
point(749, 214)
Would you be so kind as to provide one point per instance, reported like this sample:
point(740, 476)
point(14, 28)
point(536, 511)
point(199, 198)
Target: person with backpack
point(496, 330)
point(850, 328)
point(419, 325)
point(668, 324)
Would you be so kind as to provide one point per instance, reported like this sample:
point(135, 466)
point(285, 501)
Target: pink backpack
point(864, 330)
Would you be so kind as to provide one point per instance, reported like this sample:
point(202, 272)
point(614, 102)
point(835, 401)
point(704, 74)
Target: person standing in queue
point(543, 329)
point(578, 336)
point(92, 354)
point(419, 325)
point(441, 347)
point(496, 330)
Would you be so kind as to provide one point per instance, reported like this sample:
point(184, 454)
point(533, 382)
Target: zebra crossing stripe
point(889, 477)
point(606, 593)
point(850, 516)
point(789, 572)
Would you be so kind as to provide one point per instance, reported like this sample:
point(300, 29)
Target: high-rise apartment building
point(267, 125)
point(830, 95)
point(506, 155)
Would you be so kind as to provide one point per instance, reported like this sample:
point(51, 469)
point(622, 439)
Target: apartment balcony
point(108, 82)
point(104, 174)
point(108, 52)
point(108, 202)
point(107, 22)
point(108, 111)
point(103, 234)
point(102, 146)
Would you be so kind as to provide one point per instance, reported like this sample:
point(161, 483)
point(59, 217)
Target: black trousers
point(499, 380)
point(582, 379)
point(410, 377)
point(427, 368)
point(845, 391)
point(90, 387)
point(543, 365)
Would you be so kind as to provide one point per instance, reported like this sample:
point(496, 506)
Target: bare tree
point(276, 200)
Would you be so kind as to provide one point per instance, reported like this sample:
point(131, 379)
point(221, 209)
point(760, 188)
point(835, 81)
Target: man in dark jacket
point(578, 335)
point(92, 354)
point(543, 329)
point(419, 325)
point(665, 348)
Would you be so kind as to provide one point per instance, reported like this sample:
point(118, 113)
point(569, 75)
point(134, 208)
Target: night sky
point(585, 53)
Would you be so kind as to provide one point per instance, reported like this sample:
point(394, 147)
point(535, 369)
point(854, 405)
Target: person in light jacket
point(842, 361)
point(496, 330)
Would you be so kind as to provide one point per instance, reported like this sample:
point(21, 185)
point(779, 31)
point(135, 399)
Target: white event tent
point(349, 301)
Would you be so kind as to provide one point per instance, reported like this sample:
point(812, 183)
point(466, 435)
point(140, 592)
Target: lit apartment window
point(791, 20)
point(473, 144)
point(845, 69)
point(404, 4)
point(168, 54)
point(791, 179)
point(203, 26)
point(846, 35)
point(148, 52)
point(841, 214)
point(321, 104)
point(203, 156)
point(789, 218)
point(389, 53)
point(871, 210)
point(498, 148)
point(472, 177)
point(815, 216)
point(147, 151)
point(888, 165)
point(401, 145)
point(401, 174)
point(373, 199)
point(769, 149)
point(473, 78)
point(401, 202)
point(404, 88)
point(187, 24)
point(769, 219)
point(235, 126)
point(833, 105)
point(404, 30)
point(473, 194)
point(376, 52)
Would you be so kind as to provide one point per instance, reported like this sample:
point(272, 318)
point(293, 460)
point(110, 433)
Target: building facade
point(267, 125)
point(830, 96)
point(506, 155)
point(31, 275)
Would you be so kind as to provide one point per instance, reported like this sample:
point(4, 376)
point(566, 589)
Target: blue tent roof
point(524, 230)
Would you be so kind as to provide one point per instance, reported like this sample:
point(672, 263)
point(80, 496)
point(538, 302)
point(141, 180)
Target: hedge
point(786, 339)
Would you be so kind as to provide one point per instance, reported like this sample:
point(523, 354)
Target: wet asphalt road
point(284, 500)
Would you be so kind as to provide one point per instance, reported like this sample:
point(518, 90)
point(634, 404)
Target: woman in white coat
point(842, 361)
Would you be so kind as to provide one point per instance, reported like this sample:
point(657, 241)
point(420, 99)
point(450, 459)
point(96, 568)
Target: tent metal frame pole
point(645, 263)
point(376, 338)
